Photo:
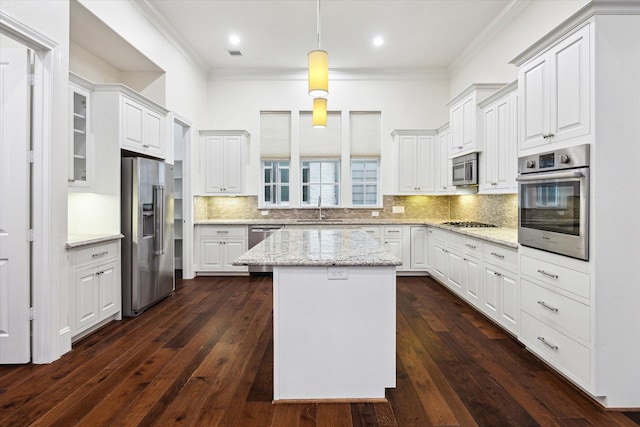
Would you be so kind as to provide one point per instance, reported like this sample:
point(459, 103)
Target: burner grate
point(467, 224)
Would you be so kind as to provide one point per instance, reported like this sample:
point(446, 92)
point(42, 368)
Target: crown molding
point(482, 40)
point(150, 12)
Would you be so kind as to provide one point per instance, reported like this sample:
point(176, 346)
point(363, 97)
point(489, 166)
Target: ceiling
point(278, 34)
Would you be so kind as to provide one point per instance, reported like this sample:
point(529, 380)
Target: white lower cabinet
point(419, 248)
point(472, 280)
point(219, 246)
point(500, 300)
point(96, 287)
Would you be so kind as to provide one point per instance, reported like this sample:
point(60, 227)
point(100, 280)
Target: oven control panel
point(565, 158)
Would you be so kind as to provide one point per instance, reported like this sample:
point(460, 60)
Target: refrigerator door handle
point(158, 240)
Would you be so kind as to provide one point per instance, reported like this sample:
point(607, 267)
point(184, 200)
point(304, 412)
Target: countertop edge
point(79, 240)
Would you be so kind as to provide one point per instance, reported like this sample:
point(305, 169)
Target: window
point(276, 183)
point(364, 182)
point(321, 182)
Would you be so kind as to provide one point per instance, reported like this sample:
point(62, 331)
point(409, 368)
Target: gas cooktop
point(467, 224)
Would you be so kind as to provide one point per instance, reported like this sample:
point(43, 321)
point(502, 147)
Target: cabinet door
point(81, 142)
point(232, 166)
point(444, 164)
point(491, 301)
point(419, 249)
point(132, 124)
point(86, 297)
point(211, 254)
point(439, 263)
point(154, 132)
point(570, 94)
point(425, 158)
point(109, 289)
point(456, 122)
point(395, 246)
point(533, 82)
point(233, 249)
point(498, 156)
point(454, 270)
point(469, 130)
point(472, 280)
point(509, 297)
point(407, 146)
point(213, 164)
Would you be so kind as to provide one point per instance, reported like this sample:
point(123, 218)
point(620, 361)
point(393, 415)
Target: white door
point(14, 207)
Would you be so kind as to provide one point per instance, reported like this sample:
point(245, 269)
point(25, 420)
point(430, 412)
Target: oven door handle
point(552, 175)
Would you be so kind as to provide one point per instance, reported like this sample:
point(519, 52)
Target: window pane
point(267, 176)
point(284, 176)
point(284, 194)
point(267, 194)
point(305, 175)
point(305, 194)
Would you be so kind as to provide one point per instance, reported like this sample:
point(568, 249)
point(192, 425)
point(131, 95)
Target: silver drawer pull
point(393, 231)
point(470, 246)
point(548, 307)
point(553, 276)
point(497, 255)
point(96, 255)
point(551, 346)
point(222, 232)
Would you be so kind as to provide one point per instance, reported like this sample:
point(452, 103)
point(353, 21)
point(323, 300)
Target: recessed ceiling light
point(234, 40)
point(378, 41)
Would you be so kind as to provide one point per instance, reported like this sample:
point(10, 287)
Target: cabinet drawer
point(556, 348)
point(473, 247)
point(557, 276)
point(393, 231)
point(502, 256)
point(372, 231)
point(95, 253)
point(223, 231)
point(561, 312)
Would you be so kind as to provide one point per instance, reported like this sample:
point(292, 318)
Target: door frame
point(47, 341)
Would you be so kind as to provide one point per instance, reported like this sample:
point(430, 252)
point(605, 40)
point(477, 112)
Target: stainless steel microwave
point(465, 170)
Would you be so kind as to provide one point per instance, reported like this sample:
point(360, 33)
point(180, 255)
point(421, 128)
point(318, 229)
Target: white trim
point(335, 74)
point(45, 343)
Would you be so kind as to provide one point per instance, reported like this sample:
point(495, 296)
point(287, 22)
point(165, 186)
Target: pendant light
point(318, 66)
point(319, 116)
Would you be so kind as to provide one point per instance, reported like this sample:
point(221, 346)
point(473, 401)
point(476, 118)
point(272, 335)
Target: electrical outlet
point(337, 273)
point(375, 213)
point(397, 209)
point(264, 213)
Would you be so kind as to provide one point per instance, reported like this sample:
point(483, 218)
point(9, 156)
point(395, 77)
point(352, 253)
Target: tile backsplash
point(500, 210)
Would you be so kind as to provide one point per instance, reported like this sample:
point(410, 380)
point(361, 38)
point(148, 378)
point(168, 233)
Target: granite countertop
point(79, 240)
point(318, 247)
point(499, 235)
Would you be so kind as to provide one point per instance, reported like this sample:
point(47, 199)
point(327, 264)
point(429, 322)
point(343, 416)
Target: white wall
point(405, 104)
point(491, 63)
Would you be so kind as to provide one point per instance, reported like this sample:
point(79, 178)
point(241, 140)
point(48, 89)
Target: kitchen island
point(334, 324)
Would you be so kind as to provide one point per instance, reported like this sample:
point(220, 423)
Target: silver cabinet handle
point(548, 307)
point(158, 203)
point(495, 254)
point(96, 255)
point(495, 273)
point(551, 346)
point(553, 276)
point(222, 232)
point(470, 246)
point(145, 145)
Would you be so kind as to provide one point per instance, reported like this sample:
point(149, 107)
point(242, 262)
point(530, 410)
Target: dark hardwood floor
point(204, 357)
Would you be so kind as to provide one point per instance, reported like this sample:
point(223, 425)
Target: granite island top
point(499, 235)
point(318, 247)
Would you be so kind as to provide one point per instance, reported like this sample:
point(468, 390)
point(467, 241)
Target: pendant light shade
point(319, 116)
point(318, 73)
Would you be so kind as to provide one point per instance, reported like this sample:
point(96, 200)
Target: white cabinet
point(406, 242)
point(219, 246)
point(444, 164)
point(95, 287)
point(465, 119)
point(416, 160)
point(223, 161)
point(394, 242)
point(419, 247)
point(447, 262)
point(137, 123)
point(81, 144)
point(500, 300)
point(555, 93)
point(499, 160)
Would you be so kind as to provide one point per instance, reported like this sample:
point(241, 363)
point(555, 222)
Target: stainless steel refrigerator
point(147, 225)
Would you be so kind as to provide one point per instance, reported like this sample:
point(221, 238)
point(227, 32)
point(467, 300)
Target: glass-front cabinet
point(80, 174)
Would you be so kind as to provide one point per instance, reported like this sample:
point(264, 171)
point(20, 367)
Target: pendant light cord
point(318, 22)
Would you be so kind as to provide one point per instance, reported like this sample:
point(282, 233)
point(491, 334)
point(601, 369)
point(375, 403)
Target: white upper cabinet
point(223, 161)
point(141, 124)
point(555, 93)
point(81, 144)
point(465, 120)
point(416, 160)
point(444, 165)
point(498, 161)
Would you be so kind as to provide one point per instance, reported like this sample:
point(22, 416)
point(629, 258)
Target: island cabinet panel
point(334, 332)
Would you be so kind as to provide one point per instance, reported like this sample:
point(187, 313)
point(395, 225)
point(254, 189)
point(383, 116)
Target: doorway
point(183, 222)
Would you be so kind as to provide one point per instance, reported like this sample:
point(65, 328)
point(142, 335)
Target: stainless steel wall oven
point(553, 201)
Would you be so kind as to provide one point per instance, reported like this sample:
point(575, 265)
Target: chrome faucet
point(320, 215)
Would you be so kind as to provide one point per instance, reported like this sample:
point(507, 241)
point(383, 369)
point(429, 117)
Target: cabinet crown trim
point(483, 88)
point(506, 90)
point(576, 21)
point(136, 96)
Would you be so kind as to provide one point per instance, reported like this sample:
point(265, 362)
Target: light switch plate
point(375, 213)
point(397, 209)
point(337, 273)
point(264, 213)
